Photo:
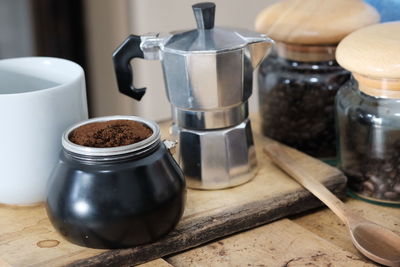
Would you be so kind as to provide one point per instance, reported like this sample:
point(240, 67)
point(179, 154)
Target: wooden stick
point(281, 156)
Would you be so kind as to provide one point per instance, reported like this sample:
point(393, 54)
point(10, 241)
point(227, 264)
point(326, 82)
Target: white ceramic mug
point(39, 98)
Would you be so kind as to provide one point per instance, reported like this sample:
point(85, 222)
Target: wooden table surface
point(315, 238)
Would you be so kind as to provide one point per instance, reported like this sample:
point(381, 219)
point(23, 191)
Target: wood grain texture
point(282, 243)
point(283, 157)
point(213, 214)
point(373, 55)
point(28, 239)
point(373, 51)
point(305, 53)
point(314, 21)
point(377, 242)
point(326, 225)
point(156, 263)
point(209, 215)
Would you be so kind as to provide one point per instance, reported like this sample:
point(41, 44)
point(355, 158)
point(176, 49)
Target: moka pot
point(208, 76)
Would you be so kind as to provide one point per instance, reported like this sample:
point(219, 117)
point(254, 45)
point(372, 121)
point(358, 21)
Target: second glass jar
point(369, 137)
point(297, 88)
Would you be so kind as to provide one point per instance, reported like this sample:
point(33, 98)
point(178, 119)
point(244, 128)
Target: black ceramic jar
point(115, 197)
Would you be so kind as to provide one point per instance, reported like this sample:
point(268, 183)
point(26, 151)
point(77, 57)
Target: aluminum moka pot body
point(207, 71)
point(208, 76)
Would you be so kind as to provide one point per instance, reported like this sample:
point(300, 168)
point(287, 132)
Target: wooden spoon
point(374, 241)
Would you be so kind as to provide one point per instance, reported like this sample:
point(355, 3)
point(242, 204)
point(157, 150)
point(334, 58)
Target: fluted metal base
point(216, 159)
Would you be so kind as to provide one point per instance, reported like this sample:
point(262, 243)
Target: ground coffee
point(110, 133)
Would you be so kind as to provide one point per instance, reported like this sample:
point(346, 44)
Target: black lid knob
point(204, 14)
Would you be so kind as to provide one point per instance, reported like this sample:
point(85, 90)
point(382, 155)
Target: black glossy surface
point(122, 57)
point(119, 204)
point(205, 15)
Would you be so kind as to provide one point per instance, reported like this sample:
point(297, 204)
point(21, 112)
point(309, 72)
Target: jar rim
point(111, 151)
point(377, 86)
point(306, 52)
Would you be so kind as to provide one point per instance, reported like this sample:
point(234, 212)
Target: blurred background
point(88, 31)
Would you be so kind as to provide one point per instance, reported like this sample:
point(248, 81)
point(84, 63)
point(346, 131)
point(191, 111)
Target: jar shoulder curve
point(278, 72)
point(346, 95)
point(87, 166)
point(153, 179)
point(353, 103)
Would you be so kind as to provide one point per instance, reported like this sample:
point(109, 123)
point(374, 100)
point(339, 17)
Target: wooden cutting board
point(28, 239)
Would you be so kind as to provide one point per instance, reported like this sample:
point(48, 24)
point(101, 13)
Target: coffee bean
point(397, 187)
point(387, 167)
point(382, 187)
point(368, 186)
point(391, 195)
point(374, 178)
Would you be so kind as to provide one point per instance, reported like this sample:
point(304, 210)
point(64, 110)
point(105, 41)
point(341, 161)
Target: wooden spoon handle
point(280, 155)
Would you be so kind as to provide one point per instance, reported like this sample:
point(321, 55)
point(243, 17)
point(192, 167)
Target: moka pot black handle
point(122, 57)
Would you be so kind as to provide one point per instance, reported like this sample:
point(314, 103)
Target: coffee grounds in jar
point(112, 133)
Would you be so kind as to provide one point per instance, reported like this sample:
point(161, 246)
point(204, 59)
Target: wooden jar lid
point(372, 54)
point(305, 53)
point(372, 51)
point(314, 21)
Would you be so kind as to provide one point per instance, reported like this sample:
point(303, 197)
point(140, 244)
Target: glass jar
point(297, 87)
point(369, 139)
point(115, 197)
